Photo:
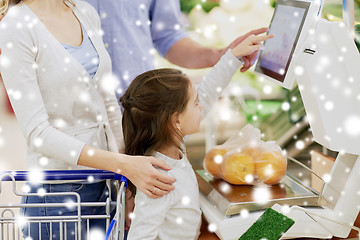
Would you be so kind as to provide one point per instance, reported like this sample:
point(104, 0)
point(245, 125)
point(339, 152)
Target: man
point(133, 29)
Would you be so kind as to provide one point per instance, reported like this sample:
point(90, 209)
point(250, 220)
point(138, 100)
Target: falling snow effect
point(351, 125)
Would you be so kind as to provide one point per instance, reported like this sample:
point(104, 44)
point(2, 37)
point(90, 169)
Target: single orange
point(270, 167)
point(238, 168)
point(213, 160)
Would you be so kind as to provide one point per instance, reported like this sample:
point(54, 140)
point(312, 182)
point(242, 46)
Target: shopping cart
point(11, 222)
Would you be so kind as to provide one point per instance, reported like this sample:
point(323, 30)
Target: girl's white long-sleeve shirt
point(177, 215)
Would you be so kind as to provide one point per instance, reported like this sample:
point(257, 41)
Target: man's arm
point(189, 54)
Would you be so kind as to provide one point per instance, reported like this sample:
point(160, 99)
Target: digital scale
point(324, 60)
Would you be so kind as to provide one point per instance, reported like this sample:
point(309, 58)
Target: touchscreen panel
point(286, 26)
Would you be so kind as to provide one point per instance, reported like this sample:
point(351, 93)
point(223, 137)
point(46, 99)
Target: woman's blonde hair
point(4, 4)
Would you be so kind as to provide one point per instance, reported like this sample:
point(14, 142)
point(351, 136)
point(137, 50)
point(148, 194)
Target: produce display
point(246, 160)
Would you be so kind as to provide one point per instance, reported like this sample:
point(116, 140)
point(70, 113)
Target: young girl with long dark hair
point(161, 107)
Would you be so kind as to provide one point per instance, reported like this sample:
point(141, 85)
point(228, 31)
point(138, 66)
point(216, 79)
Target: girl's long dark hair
point(149, 103)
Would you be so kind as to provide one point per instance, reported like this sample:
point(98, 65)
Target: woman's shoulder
point(16, 14)
point(88, 11)
point(85, 8)
point(16, 23)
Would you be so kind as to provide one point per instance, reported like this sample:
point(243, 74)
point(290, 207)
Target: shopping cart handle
point(123, 179)
point(89, 175)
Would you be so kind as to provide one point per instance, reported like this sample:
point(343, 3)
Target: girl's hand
point(141, 172)
point(249, 48)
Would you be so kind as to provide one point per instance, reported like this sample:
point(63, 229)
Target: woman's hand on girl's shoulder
point(141, 171)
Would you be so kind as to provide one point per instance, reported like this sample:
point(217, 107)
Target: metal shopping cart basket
point(11, 223)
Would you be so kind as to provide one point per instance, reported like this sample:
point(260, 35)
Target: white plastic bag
point(244, 159)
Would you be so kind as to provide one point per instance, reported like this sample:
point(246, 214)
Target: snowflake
point(21, 221)
point(41, 192)
point(132, 215)
point(59, 123)
point(352, 125)
point(95, 61)
point(38, 142)
point(73, 153)
point(179, 220)
point(212, 227)
point(285, 106)
point(35, 176)
point(138, 23)
point(5, 61)
point(160, 26)
point(300, 144)
point(232, 18)
point(244, 213)
point(43, 161)
point(299, 70)
point(198, 7)
point(90, 179)
point(285, 209)
point(104, 15)
point(267, 89)
point(91, 152)
point(329, 105)
point(249, 178)
point(70, 204)
point(327, 178)
point(26, 188)
point(66, 60)
point(225, 187)
point(261, 194)
point(96, 234)
point(126, 76)
point(84, 96)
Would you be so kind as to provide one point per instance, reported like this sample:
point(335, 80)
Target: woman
point(55, 67)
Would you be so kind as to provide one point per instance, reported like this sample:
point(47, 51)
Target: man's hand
point(250, 59)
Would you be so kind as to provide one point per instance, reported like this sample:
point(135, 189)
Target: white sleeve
point(115, 120)
point(212, 86)
point(20, 79)
point(149, 215)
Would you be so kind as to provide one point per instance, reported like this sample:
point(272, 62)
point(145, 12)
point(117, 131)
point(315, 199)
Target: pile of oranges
point(246, 166)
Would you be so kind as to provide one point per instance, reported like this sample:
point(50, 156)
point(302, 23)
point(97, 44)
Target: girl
point(161, 107)
point(54, 66)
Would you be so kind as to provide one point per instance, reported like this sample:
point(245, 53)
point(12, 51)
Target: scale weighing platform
point(232, 199)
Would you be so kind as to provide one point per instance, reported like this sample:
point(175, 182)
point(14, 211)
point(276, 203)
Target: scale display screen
point(286, 25)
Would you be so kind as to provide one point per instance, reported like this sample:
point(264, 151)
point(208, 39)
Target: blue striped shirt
point(133, 29)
